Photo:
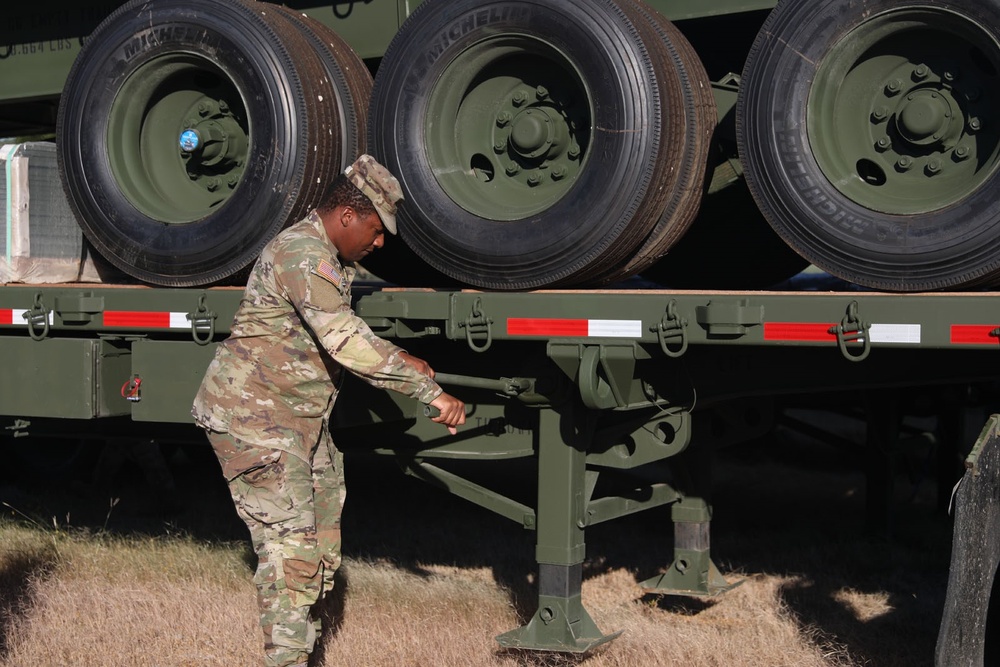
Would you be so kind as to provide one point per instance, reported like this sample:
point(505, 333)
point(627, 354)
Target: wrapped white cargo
point(40, 241)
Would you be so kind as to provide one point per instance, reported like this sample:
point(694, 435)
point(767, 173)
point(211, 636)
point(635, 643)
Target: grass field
point(127, 576)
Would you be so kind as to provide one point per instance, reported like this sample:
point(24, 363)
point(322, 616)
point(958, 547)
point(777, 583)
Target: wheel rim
point(515, 114)
point(177, 138)
point(900, 115)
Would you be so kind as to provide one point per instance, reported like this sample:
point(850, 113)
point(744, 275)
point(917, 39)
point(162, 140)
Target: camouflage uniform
point(265, 403)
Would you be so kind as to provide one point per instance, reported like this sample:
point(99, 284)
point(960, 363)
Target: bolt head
point(894, 86)
point(883, 143)
point(534, 178)
point(212, 185)
point(934, 167)
point(558, 173)
point(503, 118)
point(920, 72)
point(512, 168)
point(541, 92)
point(519, 98)
point(904, 162)
point(223, 106)
point(880, 113)
point(962, 152)
point(975, 124)
point(574, 151)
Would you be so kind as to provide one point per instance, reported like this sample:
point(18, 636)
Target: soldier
point(266, 398)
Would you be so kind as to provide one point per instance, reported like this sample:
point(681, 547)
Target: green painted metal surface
point(897, 117)
point(70, 379)
point(170, 374)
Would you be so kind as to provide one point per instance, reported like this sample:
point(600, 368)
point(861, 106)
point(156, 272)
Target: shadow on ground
point(780, 506)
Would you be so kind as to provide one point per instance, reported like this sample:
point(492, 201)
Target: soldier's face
point(361, 236)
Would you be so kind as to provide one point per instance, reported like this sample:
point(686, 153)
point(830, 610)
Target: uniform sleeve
point(348, 339)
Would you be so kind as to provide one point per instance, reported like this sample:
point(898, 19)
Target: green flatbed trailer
point(713, 146)
point(583, 383)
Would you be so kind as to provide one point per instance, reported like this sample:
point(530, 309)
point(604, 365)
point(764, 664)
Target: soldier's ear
point(347, 215)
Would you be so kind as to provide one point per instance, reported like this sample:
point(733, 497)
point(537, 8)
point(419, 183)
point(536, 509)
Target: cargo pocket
point(259, 485)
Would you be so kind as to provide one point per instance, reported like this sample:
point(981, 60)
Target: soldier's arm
point(352, 343)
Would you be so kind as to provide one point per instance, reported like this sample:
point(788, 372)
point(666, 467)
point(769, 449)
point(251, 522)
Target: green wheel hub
point(902, 113)
point(507, 127)
point(177, 138)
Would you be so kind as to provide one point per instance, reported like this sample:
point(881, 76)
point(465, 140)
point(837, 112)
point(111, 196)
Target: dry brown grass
point(432, 581)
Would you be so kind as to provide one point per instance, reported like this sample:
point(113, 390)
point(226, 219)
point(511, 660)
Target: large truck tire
point(870, 137)
point(695, 114)
point(536, 142)
point(191, 131)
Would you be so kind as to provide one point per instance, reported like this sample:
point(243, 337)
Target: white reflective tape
point(18, 318)
point(895, 333)
point(615, 328)
point(179, 321)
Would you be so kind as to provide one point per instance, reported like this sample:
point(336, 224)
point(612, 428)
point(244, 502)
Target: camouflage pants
point(292, 508)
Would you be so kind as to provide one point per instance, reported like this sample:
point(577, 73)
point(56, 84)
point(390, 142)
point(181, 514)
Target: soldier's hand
point(452, 412)
point(417, 363)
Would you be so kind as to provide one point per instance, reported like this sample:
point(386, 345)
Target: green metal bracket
point(602, 371)
point(641, 440)
point(672, 329)
point(692, 572)
point(202, 323)
point(853, 329)
point(38, 319)
point(474, 493)
point(729, 319)
point(478, 328)
point(560, 624)
point(78, 308)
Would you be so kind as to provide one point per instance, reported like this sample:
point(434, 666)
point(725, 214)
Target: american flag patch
point(326, 270)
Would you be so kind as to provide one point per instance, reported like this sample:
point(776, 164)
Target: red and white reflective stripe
point(808, 332)
point(974, 334)
point(8, 316)
point(534, 326)
point(146, 319)
point(15, 316)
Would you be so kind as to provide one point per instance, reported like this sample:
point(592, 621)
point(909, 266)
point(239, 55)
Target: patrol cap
point(379, 186)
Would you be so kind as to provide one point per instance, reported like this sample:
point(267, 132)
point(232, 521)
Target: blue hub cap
point(189, 141)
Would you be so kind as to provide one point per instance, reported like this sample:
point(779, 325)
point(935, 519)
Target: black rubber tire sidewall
point(225, 241)
point(572, 235)
point(842, 237)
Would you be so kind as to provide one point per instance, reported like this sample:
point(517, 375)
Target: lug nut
point(962, 152)
point(503, 118)
point(975, 124)
point(233, 180)
point(519, 98)
point(883, 144)
point(934, 167)
point(949, 76)
point(212, 185)
point(203, 108)
point(223, 106)
point(920, 72)
point(558, 173)
point(541, 92)
point(574, 151)
point(534, 178)
point(894, 86)
point(904, 162)
point(512, 168)
point(880, 113)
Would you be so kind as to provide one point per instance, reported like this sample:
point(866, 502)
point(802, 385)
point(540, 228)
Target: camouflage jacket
point(274, 380)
